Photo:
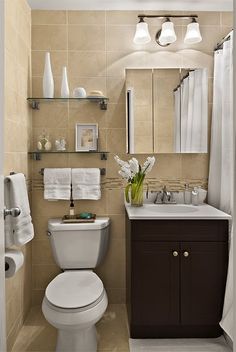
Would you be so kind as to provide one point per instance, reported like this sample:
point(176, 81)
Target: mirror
point(166, 110)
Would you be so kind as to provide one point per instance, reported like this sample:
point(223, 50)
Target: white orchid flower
point(148, 165)
point(121, 162)
point(124, 175)
point(134, 174)
point(134, 165)
point(126, 170)
point(131, 170)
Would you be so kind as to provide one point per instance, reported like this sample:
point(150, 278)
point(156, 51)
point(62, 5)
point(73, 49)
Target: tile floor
point(38, 336)
point(179, 345)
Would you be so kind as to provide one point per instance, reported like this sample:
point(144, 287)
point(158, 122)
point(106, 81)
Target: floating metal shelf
point(37, 155)
point(35, 102)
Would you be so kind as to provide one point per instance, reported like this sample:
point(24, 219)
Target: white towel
point(18, 230)
point(57, 183)
point(9, 236)
point(86, 184)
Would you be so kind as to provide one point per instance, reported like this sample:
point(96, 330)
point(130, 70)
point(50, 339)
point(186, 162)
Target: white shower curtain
point(221, 172)
point(177, 122)
point(194, 112)
point(199, 111)
point(184, 113)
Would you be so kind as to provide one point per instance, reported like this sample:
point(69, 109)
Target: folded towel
point(86, 184)
point(19, 230)
point(57, 183)
point(8, 229)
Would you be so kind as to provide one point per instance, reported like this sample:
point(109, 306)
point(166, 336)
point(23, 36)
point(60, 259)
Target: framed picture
point(86, 137)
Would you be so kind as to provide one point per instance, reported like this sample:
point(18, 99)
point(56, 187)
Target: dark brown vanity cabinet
point(176, 275)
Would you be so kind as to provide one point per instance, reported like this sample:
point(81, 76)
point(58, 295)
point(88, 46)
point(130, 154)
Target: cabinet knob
point(175, 253)
point(186, 254)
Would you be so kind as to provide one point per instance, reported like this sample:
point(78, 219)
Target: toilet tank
point(78, 246)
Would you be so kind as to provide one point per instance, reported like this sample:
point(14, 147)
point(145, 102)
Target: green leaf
point(127, 188)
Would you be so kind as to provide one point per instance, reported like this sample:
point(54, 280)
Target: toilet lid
point(74, 289)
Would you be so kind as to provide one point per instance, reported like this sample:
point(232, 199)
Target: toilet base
point(82, 340)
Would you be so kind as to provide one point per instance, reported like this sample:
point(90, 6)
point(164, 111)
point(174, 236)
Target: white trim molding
point(149, 5)
point(2, 244)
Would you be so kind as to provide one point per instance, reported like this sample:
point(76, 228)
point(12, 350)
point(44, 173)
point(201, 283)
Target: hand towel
point(86, 183)
point(9, 236)
point(20, 230)
point(57, 184)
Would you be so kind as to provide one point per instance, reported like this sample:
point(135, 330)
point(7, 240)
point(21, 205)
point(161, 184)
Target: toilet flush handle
point(49, 233)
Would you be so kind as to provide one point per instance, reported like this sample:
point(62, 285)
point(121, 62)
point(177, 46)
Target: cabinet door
point(155, 283)
point(203, 277)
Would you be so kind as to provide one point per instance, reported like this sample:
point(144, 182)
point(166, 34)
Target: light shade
point(142, 35)
point(193, 34)
point(168, 35)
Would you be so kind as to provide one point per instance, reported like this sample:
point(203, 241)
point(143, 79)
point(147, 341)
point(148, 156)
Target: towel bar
point(102, 171)
point(11, 173)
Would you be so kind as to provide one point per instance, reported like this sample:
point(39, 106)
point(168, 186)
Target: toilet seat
point(74, 289)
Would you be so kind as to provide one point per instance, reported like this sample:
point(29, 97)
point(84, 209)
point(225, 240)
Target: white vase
point(65, 92)
point(48, 83)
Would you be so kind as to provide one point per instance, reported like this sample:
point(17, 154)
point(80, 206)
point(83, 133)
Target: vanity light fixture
point(193, 34)
point(166, 35)
point(142, 35)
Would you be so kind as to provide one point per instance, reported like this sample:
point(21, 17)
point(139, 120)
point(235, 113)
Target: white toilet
point(75, 300)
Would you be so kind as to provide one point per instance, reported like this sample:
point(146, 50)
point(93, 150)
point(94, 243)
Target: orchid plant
point(134, 174)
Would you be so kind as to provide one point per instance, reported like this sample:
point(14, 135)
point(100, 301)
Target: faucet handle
point(159, 198)
point(166, 197)
point(172, 198)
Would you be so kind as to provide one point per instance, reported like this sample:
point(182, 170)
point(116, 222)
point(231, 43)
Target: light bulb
point(193, 34)
point(142, 35)
point(168, 35)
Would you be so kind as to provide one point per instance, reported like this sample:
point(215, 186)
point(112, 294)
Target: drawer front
point(179, 230)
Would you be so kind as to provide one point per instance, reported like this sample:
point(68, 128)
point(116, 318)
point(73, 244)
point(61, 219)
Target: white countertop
point(175, 211)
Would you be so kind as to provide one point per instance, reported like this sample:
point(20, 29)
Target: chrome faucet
point(164, 197)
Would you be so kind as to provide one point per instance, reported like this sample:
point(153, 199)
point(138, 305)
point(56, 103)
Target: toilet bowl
point(75, 300)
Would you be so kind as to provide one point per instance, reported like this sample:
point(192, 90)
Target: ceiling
point(174, 5)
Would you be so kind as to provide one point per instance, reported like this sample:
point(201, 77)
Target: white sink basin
point(171, 208)
point(175, 211)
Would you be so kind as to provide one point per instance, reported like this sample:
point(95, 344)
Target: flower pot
point(137, 194)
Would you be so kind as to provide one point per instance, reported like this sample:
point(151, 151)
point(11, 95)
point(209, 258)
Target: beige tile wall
point(97, 47)
point(17, 136)
point(164, 108)
point(141, 82)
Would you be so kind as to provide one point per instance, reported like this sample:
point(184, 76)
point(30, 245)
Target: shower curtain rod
point(181, 81)
point(219, 45)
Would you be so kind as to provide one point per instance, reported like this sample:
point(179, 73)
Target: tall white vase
point(65, 92)
point(48, 82)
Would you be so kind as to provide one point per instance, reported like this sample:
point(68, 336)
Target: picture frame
point(86, 137)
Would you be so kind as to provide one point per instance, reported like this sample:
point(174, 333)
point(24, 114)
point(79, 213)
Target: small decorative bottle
point(65, 92)
point(43, 142)
point(187, 194)
point(195, 196)
point(48, 82)
point(72, 208)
